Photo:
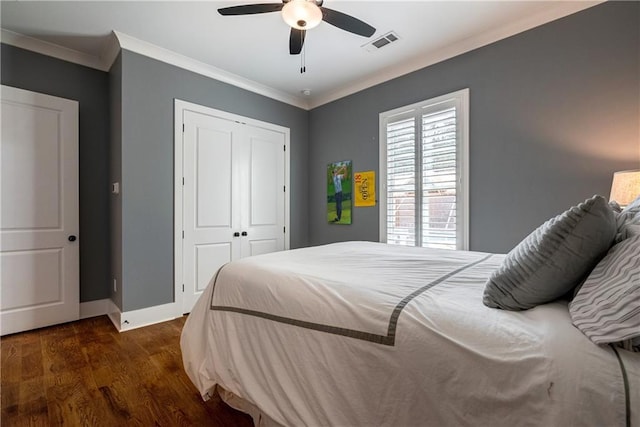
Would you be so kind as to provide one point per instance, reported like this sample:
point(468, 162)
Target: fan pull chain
point(303, 61)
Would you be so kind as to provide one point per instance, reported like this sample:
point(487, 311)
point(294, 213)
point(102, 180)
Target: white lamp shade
point(625, 187)
point(301, 14)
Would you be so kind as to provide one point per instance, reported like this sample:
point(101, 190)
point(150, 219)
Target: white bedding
point(363, 334)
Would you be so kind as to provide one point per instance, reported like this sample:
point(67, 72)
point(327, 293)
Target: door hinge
point(284, 188)
point(183, 287)
point(183, 234)
point(284, 229)
point(284, 147)
point(183, 127)
point(183, 180)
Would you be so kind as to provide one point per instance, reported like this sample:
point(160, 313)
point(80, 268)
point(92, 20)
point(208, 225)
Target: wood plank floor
point(85, 373)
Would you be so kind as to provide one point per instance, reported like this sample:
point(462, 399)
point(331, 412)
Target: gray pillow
point(554, 258)
point(607, 307)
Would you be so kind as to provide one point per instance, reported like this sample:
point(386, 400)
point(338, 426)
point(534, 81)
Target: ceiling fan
point(303, 15)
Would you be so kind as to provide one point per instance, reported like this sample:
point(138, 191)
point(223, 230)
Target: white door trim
point(180, 107)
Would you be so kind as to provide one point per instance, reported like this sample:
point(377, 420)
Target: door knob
point(236, 234)
point(72, 238)
point(244, 233)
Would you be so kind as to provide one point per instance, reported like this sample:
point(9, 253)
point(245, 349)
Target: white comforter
point(368, 334)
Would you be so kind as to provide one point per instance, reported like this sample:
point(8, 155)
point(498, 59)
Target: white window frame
point(461, 100)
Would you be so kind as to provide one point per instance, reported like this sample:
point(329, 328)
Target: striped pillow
point(554, 258)
point(607, 307)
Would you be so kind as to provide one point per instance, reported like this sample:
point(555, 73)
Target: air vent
point(381, 42)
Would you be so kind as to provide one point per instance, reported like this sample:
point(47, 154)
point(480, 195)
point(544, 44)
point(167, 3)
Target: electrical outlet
point(115, 285)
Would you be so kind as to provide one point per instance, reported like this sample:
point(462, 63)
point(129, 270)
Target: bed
point(363, 334)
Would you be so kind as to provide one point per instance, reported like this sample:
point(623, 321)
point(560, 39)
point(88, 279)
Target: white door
point(262, 200)
point(233, 196)
point(39, 250)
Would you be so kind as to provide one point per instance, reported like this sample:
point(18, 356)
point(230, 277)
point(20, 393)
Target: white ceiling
point(253, 50)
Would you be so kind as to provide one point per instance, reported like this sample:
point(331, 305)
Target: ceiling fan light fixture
point(301, 14)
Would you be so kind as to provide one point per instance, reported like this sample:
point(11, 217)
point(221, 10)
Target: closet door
point(233, 196)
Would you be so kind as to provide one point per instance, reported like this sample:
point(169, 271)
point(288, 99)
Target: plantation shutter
point(439, 179)
point(401, 182)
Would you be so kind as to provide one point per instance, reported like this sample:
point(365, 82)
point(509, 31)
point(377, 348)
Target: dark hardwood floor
point(85, 373)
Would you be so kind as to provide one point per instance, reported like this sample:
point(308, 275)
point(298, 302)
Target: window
point(424, 173)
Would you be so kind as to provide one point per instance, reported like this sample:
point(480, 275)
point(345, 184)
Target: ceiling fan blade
point(251, 9)
point(296, 41)
point(347, 22)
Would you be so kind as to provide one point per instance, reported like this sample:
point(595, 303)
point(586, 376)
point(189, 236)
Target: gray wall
point(554, 111)
point(31, 71)
point(148, 90)
point(115, 106)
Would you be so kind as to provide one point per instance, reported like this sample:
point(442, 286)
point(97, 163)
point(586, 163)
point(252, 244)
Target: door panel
point(34, 165)
point(209, 258)
point(264, 182)
point(213, 178)
point(259, 247)
point(39, 184)
point(31, 278)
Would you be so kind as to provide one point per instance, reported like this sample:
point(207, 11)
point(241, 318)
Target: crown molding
point(165, 55)
point(110, 51)
point(53, 50)
point(118, 40)
point(466, 45)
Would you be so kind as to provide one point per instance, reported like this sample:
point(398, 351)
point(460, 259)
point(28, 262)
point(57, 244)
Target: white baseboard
point(114, 315)
point(125, 321)
point(94, 308)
